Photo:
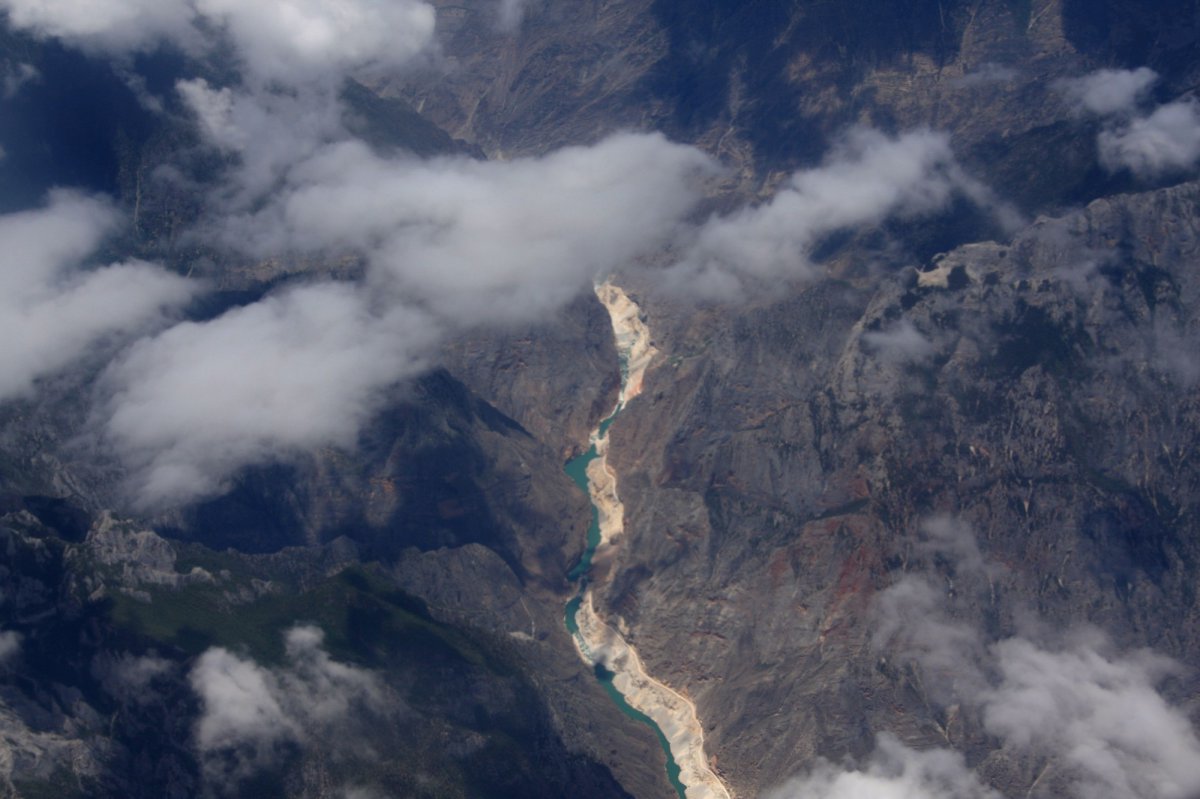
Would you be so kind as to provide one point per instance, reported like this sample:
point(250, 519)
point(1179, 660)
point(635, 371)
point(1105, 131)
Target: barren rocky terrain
point(906, 475)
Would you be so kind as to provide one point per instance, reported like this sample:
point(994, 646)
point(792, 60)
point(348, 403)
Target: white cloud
point(322, 691)
point(242, 713)
point(1096, 717)
point(484, 241)
point(955, 541)
point(214, 110)
point(1096, 713)
point(452, 243)
point(293, 56)
point(868, 177)
point(288, 42)
point(110, 25)
point(911, 622)
point(894, 771)
point(252, 713)
point(10, 647)
point(51, 309)
point(129, 677)
point(16, 76)
point(1149, 145)
point(1100, 713)
point(899, 343)
point(986, 74)
point(509, 14)
point(1109, 91)
point(299, 41)
point(466, 242)
point(301, 369)
point(1168, 140)
point(269, 132)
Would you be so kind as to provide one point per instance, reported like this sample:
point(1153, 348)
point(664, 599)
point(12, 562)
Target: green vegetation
point(364, 618)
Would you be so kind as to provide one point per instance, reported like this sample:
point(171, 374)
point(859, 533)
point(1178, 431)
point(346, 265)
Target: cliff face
point(1037, 392)
point(789, 458)
point(765, 86)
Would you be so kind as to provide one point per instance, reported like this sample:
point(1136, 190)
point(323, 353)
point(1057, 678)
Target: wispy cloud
point(483, 241)
point(1168, 140)
point(987, 74)
point(510, 14)
point(251, 713)
point(128, 677)
point(1149, 145)
point(447, 243)
point(53, 308)
point(106, 25)
point(285, 41)
point(1108, 92)
point(10, 647)
point(1070, 698)
point(1099, 712)
point(301, 369)
point(867, 177)
point(894, 771)
point(899, 343)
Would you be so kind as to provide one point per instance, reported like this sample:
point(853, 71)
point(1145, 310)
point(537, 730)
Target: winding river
point(670, 714)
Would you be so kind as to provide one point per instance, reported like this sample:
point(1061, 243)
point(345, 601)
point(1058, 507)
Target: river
point(616, 664)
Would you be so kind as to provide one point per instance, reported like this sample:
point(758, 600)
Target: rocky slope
point(1040, 391)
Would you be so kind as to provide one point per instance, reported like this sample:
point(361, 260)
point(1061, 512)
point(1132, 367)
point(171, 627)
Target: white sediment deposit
point(633, 338)
point(599, 642)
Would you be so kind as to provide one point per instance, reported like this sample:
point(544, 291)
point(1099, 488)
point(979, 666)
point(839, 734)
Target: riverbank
point(599, 643)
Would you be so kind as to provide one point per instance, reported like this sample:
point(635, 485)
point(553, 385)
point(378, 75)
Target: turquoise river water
point(576, 469)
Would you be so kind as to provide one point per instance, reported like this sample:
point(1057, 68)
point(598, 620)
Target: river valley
point(600, 643)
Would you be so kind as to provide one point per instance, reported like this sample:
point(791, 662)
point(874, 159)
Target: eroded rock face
point(1040, 393)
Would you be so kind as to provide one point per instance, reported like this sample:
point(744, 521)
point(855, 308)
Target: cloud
point(868, 177)
point(911, 622)
point(1168, 140)
point(894, 771)
point(52, 309)
point(1108, 91)
point(1100, 713)
point(900, 343)
point(1149, 145)
point(1095, 712)
point(448, 243)
point(242, 715)
point(295, 56)
point(483, 241)
point(954, 541)
point(16, 76)
point(986, 74)
point(283, 41)
point(451, 243)
point(301, 41)
point(108, 25)
point(129, 677)
point(301, 369)
point(509, 15)
point(10, 647)
point(268, 131)
point(252, 714)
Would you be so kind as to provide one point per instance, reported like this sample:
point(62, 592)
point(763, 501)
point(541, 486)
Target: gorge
point(600, 644)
